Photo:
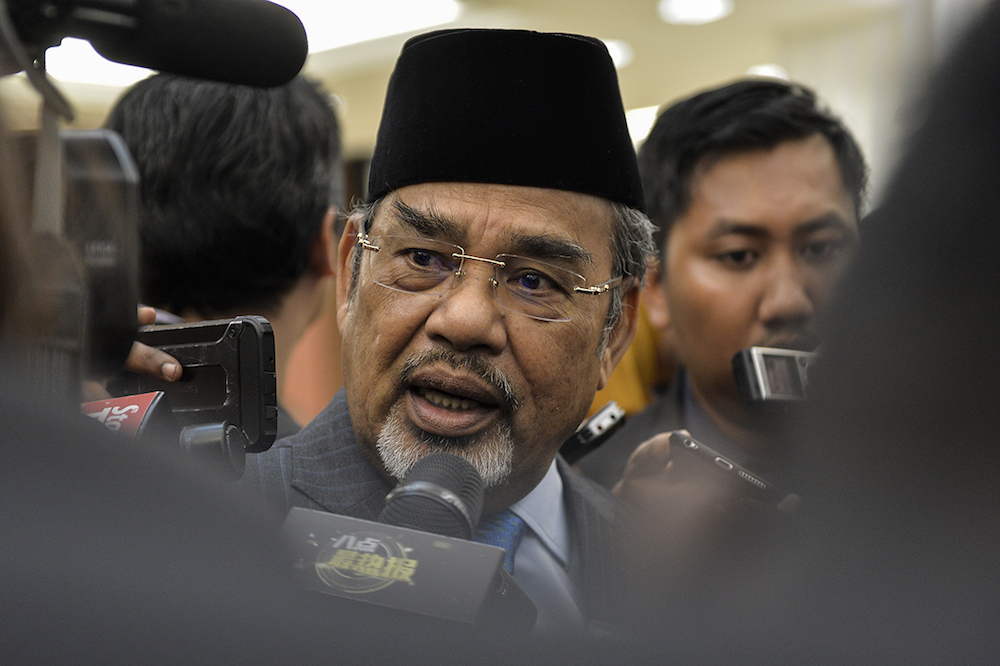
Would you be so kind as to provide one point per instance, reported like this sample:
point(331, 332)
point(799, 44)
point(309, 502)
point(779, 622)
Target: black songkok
point(509, 107)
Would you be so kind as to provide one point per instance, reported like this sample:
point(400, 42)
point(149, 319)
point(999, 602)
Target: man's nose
point(786, 293)
point(468, 315)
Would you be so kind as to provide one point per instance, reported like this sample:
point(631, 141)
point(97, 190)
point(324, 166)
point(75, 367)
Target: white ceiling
point(669, 61)
point(853, 52)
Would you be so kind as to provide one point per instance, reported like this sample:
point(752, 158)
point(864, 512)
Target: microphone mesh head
point(442, 494)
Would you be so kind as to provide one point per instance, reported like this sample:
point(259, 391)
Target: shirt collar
point(544, 512)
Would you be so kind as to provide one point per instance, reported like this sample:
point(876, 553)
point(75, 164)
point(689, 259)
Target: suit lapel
point(600, 526)
point(329, 469)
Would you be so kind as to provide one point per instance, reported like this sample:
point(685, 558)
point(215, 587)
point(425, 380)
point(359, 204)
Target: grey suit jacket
point(322, 467)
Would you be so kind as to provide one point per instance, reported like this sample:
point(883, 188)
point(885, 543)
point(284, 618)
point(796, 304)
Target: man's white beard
point(491, 452)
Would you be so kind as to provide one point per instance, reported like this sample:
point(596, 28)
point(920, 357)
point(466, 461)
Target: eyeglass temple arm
point(601, 288)
point(363, 242)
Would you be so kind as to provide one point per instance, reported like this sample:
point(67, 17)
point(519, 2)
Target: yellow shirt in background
point(631, 383)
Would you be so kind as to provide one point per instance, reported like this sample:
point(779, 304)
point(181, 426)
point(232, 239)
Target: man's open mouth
point(446, 400)
point(455, 396)
point(443, 413)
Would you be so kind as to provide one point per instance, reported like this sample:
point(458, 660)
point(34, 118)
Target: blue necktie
point(503, 529)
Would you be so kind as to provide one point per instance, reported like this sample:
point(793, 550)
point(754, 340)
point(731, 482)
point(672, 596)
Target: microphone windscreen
point(442, 494)
point(250, 42)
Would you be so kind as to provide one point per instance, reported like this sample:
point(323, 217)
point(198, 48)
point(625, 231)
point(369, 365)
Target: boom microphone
point(250, 42)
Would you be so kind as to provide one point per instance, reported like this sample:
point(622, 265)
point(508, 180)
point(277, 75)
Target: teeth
point(447, 401)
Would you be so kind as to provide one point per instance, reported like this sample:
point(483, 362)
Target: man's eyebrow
point(829, 220)
point(725, 227)
point(425, 223)
point(432, 225)
point(549, 247)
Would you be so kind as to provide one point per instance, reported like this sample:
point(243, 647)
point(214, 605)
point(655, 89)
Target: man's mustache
point(472, 363)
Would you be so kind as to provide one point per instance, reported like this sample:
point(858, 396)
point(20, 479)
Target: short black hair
point(744, 115)
point(235, 184)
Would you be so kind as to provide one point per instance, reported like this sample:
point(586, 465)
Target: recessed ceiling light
point(640, 121)
point(622, 53)
point(769, 70)
point(694, 12)
point(334, 23)
point(75, 60)
point(329, 24)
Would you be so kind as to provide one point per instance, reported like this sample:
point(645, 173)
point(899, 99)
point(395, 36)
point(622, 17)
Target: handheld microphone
point(250, 42)
point(442, 494)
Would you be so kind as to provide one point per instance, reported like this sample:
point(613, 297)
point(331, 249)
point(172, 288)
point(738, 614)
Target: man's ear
point(321, 254)
point(342, 265)
point(623, 332)
point(655, 299)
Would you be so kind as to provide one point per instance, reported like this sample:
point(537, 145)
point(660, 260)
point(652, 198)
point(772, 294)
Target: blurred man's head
point(757, 191)
point(747, 115)
point(236, 184)
point(489, 269)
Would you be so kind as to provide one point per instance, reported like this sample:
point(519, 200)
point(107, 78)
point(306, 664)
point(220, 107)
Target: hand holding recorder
point(142, 360)
point(222, 406)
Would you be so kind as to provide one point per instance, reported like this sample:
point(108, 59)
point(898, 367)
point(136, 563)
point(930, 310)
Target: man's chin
point(400, 445)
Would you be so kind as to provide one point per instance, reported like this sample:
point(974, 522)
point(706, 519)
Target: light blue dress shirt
point(541, 560)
